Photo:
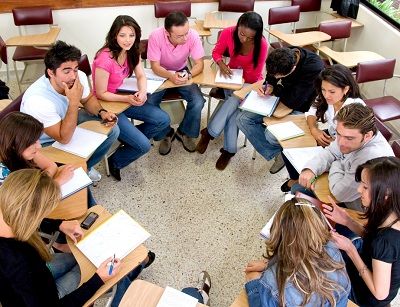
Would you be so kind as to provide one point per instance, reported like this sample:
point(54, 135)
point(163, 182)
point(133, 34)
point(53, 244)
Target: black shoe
point(115, 172)
point(151, 256)
point(285, 187)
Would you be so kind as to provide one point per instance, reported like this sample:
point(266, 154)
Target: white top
point(45, 104)
point(330, 114)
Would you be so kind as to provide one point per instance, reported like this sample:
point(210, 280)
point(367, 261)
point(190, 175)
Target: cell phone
point(182, 74)
point(104, 122)
point(89, 220)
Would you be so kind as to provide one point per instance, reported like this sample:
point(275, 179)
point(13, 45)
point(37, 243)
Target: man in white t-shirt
point(55, 100)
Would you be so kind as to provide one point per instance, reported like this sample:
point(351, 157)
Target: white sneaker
point(94, 175)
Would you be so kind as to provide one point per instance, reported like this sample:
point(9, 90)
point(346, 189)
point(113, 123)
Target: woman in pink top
point(118, 59)
point(247, 50)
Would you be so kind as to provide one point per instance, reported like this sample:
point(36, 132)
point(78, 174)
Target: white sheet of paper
point(83, 143)
point(300, 156)
point(118, 235)
point(236, 78)
point(285, 131)
point(78, 181)
point(153, 82)
point(174, 298)
point(263, 105)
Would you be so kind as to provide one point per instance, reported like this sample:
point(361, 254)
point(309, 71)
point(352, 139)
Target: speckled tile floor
point(199, 218)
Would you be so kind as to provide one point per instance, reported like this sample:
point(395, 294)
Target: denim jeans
point(299, 188)
point(99, 153)
point(194, 292)
point(190, 124)
point(66, 273)
point(224, 119)
point(136, 138)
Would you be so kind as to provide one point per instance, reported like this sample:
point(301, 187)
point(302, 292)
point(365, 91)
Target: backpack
point(4, 90)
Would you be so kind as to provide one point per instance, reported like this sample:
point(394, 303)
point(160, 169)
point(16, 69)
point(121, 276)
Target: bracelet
point(360, 272)
point(313, 179)
point(99, 113)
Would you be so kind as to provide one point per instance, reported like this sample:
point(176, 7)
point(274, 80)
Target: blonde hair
point(26, 197)
point(297, 243)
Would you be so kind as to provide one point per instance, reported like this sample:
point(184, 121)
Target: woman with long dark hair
point(118, 59)
point(373, 261)
point(248, 50)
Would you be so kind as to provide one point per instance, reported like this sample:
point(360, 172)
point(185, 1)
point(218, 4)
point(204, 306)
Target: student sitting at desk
point(248, 50)
point(55, 100)
point(336, 88)
point(29, 275)
point(357, 141)
point(302, 266)
point(373, 261)
point(291, 73)
point(168, 51)
point(118, 59)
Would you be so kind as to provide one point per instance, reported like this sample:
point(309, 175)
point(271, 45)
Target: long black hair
point(339, 76)
point(133, 54)
point(253, 21)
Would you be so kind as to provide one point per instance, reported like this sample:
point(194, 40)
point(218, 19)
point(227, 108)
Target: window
point(387, 9)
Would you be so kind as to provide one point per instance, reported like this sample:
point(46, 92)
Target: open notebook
point(263, 105)
point(285, 131)
point(118, 235)
point(298, 157)
point(78, 181)
point(83, 143)
point(174, 298)
point(236, 78)
point(153, 82)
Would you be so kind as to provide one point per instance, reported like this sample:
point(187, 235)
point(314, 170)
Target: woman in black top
point(26, 197)
point(374, 267)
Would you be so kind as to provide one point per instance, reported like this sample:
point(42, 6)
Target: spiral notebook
point(263, 105)
point(79, 181)
point(285, 131)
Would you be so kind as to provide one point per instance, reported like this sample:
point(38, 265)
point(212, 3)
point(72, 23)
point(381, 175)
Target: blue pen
point(111, 266)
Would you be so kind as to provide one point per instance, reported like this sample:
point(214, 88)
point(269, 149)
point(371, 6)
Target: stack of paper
point(263, 105)
point(118, 235)
point(285, 131)
point(78, 181)
point(153, 82)
point(174, 298)
point(298, 157)
point(83, 143)
point(235, 78)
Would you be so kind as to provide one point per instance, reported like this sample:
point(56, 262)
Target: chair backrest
point(308, 5)
point(238, 6)
point(284, 14)
point(3, 51)
point(84, 65)
point(14, 106)
point(375, 70)
point(143, 48)
point(163, 8)
point(396, 148)
point(26, 16)
point(336, 29)
point(387, 134)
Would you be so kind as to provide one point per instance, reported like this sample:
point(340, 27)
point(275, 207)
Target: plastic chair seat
point(28, 53)
point(217, 93)
point(385, 108)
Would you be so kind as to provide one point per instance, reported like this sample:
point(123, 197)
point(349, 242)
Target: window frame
point(381, 14)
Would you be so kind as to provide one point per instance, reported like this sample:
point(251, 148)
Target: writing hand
point(65, 173)
point(225, 70)
point(104, 269)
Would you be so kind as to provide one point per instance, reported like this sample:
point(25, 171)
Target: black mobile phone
point(89, 220)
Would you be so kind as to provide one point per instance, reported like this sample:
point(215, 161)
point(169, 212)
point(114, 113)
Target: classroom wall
point(86, 28)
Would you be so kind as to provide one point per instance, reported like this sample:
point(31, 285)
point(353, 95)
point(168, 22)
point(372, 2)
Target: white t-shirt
point(330, 114)
point(44, 103)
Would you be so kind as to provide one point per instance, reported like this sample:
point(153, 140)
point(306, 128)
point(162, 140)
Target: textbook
point(263, 105)
point(236, 78)
point(285, 131)
point(118, 235)
point(83, 143)
point(174, 298)
point(298, 157)
point(79, 181)
point(129, 85)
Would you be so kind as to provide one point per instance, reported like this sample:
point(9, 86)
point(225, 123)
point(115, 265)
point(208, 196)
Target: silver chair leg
point(16, 75)
point(107, 166)
point(112, 294)
point(209, 109)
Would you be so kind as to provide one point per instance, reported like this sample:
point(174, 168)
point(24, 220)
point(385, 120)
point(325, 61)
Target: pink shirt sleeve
point(224, 42)
point(196, 48)
point(154, 47)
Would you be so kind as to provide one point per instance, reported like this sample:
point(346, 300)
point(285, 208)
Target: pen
point(314, 179)
point(111, 266)
point(265, 86)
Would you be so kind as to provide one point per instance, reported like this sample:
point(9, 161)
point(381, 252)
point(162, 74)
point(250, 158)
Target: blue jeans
point(99, 153)
point(299, 188)
point(224, 119)
point(136, 138)
point(251, 124)
point(190, 124)
point(66, 273)
point(194, 292)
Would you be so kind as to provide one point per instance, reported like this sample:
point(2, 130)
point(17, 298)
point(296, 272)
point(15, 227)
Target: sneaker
point(94, 175)
point(204, 286)
point(165, 144)
point(278, 164)
point(187, 142)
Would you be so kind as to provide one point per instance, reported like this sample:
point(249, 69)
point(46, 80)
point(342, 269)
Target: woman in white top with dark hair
point(336, 88)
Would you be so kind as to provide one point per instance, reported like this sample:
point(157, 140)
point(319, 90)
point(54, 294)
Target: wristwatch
point(99, 113)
